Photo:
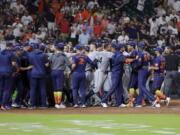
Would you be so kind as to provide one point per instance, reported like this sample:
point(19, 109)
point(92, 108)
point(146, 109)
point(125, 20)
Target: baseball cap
point(131, 43)
point(121, 45)
point(60, 45)
point(86, 48)
point(26, 44)
point(42, 47)
point(113, 44)
point(17, 48)
point(9, 44)
point(78, 47)
point(159, 49)
point(141, 45)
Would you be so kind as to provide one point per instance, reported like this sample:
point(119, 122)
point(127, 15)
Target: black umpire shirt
point(172, 62)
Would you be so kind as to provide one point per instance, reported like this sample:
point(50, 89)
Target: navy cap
point(113, 44)
point(117, 47)
point(17, 48)
point(141, 45)
point(86, 48)
point(60, 45)
point(36, 46)
point(8, 44)
point(42, 47)
point(17, 44)
point(121, 45)
point(78, 47)
point(26, 44)
point(159, 49)
point(131, 43)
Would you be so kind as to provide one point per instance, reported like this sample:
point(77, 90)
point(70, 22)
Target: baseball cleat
point(83, 106)
point(23, 106)
point(3, 108)
point(138, 106)
point(157, 105)
point(62, 106)
point(56, 106)
point(143, 103)
point(15, 105)
point(122, 105)
point(167, 101)
point(8, 107)
point(104, 105)
point(31, 107)
point(76, 106)
point(43, 107)
point(154, 103)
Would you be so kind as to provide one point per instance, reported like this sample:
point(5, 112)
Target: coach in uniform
point(38, 60)
point(117, 73)
point(7, 62)
point(143, 61)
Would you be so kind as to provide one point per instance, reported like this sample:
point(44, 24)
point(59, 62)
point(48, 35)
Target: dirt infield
point(173, 108)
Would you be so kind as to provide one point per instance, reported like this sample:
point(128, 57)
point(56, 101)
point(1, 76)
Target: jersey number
point(145, 57)
point(162, 65)
point(81, 61)
point(100, 60)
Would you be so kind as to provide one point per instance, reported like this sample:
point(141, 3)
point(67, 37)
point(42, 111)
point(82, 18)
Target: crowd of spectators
point(155, 22)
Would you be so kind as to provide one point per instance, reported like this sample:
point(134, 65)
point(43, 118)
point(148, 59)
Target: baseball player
point(7, 62)
point(25, 74)
point(143, 61)
point(58, 62)
point(38, 60)
point(17, 79)
point(102, 75)
point(133, 85)
point(118, 60)
point(90, 75)
point(159, 74)
point(79, 62)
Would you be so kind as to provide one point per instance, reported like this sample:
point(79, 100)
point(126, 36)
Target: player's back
point(105, 58)
point(80, 60)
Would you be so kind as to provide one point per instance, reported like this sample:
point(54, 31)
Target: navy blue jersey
point(81, 60)
point(160, 63)
point(6, 58)
point(117, 62)
point(143, 59)
point(133, 55)
point(38, 60)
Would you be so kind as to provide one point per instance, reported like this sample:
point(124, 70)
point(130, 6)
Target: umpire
point(172, 64)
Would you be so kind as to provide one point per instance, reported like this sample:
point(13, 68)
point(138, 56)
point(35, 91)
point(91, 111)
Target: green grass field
point(130, 124)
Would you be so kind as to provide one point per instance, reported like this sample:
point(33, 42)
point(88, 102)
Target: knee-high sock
point(55, 98)
point(59, 97)
point(160, 94)
point(131, 94)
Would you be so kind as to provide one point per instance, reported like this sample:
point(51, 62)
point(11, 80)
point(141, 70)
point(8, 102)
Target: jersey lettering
point(81, 61)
